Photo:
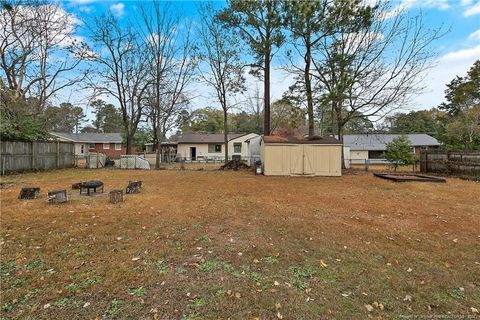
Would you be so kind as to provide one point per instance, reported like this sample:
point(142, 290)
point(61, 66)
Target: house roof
point(194, 138)
point(378, 141)
point(300, 140)
point(89, 137)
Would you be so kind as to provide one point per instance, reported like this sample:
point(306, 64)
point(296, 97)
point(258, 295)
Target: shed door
point(296, 159)
point(309, 159)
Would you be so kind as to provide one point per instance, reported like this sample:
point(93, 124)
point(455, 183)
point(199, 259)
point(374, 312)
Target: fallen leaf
point(86, 304)
point(323, 264)
point(369, 308)
point(278, 305)
point(474, 310)
point(279, 315)
point(46, 306)
point(238, 295)
point(276, 283)
point(409, 270)
point(135, 258)
point(407, 298)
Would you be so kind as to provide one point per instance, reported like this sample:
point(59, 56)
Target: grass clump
point(114, 308)
point(85, 284)
point(138, 292)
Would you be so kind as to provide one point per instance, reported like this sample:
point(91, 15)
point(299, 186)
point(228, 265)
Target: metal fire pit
point(89, 185)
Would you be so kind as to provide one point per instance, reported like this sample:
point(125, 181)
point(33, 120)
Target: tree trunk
point(129, 143)
point(340, 126)
point(308, 89)
point(225, 133)
point(158, 158)
point(266, 94)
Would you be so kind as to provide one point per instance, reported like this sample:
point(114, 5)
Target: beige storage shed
point(309, 156)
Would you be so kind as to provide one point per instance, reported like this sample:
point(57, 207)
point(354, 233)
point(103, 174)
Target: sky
point(455, 52)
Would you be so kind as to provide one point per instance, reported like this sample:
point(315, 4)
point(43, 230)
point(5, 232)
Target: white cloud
point(472, 10)
point(81, 2)
point(118, 9)
point(408, 4)
point(474, 35)
point(448, 66)
point(85, 9)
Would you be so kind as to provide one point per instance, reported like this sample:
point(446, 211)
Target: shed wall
point(301, 159)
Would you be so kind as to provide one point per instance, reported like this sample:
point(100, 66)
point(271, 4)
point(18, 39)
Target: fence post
point(426, 161)
point(366, 164)
point(33, 156)
point(58, 154)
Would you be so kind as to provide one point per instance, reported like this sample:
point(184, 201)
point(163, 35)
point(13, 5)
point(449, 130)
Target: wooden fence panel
point(44, 155)
point(461, 163)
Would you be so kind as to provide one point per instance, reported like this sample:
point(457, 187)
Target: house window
point(374, 154)
point(106, 146)
point(237, 147)
point(118, 146)
point(91, 146)
point(82, 148)
point(214, 148)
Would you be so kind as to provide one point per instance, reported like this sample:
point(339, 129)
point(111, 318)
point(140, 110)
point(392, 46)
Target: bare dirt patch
point(204, 245)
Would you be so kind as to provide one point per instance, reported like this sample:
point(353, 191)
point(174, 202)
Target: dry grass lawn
point(218, 245)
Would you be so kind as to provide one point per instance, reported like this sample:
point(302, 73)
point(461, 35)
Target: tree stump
point(116, 196)
point(57, 196)
point(29, 193)
point(134, 187)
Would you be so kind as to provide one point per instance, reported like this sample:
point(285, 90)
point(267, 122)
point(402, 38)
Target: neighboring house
point(109, 144)
point(212, 146)
point(372, 146)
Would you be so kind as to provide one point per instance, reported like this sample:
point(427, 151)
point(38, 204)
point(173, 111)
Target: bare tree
point(38, 51)
point(159, 28)
point(222, 69)
point(171, 63)
point(123, 70)
point(374, 64)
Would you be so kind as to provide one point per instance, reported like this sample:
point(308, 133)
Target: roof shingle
point(90, 137)
point(378, 141)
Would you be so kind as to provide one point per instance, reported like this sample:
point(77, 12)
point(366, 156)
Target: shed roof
point(300, 140)
point(378, 141)
point(194, 138)
point(90, 137)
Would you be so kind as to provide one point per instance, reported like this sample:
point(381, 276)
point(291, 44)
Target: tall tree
point(171, 57)
point(108, 119)
point(206, 120)
point(260, 25)
point(308, 22)
point(286, 116)
point(38, 51)
point(222, 69)
point(122, 69)
point(64, 118)
point(463, 93)
point(372, 64)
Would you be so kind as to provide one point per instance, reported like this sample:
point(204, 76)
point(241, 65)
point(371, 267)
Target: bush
point(399, 152)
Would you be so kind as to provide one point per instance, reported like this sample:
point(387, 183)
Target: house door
point(193, 153)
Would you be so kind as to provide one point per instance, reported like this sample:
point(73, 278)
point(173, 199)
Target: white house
point(372, 146)
point(198, 147)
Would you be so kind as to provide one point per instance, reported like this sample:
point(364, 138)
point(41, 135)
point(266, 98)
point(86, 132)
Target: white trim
point(118, 148)
point(108, 146)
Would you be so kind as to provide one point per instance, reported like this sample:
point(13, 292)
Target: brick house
point(109, 144)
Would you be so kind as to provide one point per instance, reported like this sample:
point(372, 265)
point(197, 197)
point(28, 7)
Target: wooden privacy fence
point(24, 156)
point(460, 163)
